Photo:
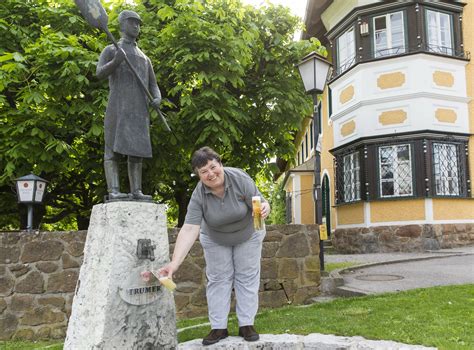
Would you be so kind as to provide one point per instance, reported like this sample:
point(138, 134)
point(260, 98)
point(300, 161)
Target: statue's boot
point(112, 178)
point(135, 177)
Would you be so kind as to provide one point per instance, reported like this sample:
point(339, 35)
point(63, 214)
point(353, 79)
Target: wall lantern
point(364, 29)
point(30, 189)
point(315, 71)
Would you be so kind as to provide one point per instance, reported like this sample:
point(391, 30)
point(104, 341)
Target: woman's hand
point(265, 210)
point(168, 270)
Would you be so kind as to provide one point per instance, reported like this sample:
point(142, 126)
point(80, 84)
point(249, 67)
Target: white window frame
point(346, 43)
point(389, 49)
point(446, 185)
point(307, 149)
point(351, 177)
point(435, 33)
point(395, 165)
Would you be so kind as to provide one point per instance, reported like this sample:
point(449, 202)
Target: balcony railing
point(390, 51)
point(347, 64)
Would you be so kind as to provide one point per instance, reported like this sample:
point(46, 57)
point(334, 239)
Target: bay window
point(419, 168)
point(446, 169)
point(406, 27)
point(346, 50)
point(439, 32)
point(389, 34)
point(395, 171)
point(351, 177)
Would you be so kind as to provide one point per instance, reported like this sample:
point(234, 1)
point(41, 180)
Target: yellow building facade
point(397, 126)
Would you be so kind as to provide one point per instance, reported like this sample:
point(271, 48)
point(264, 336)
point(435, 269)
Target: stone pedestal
point(113, 307)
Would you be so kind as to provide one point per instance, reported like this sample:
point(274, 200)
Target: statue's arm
point(109, 60)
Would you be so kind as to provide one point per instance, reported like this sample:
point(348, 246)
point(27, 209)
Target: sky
point(297, 7)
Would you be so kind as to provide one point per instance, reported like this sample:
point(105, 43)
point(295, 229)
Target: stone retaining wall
point(408, 238)
point(38, 274)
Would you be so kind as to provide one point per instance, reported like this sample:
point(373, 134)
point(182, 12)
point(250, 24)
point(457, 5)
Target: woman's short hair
point(202, 156)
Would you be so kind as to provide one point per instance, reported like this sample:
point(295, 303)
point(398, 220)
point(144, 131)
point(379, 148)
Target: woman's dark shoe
point(214, 336)
point(249, 333)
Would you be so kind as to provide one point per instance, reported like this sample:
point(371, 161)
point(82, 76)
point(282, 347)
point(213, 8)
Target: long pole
point(318, 214)
point(29, 222)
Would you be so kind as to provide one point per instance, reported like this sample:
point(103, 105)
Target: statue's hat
point(126, 14)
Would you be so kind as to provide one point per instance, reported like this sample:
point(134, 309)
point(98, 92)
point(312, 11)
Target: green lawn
point(442, 317)
point(24, 345)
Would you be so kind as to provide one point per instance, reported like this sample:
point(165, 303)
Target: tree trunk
point(182, 199)
point(82, 222)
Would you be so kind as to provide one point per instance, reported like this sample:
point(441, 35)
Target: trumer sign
point(135, 291)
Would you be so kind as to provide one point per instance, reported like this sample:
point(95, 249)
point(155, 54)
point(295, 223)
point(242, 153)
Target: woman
point(220, 213)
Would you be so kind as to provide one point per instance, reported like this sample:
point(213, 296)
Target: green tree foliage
point(226, 71)
point(273, 191)
point(278, 202)
point(51, 107)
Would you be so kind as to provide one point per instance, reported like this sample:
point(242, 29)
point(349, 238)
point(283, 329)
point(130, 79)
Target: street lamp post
point(314, 71)
point(30, 190)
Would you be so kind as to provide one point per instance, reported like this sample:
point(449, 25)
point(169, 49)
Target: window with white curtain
point(346, 50)
point(395, 171)
point(389, 34)
point(439, 32)
point(351, 177)
point(446, 169)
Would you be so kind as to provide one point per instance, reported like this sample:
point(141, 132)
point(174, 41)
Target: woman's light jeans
point(233, 266)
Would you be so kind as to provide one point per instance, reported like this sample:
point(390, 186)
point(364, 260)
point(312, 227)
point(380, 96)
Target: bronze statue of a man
point(127, 121)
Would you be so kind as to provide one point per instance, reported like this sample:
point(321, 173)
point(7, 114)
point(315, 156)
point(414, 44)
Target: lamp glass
point(321, 74)
point(39, 191)
point(314, 72)
point(25, 190)
point(307, 74)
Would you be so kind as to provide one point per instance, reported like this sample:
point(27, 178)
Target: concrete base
point(294, 342)
point(113, 307)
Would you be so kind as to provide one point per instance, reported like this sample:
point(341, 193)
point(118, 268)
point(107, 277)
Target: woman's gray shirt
point(227, 220)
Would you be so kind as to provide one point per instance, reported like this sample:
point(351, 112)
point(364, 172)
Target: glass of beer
point(257, 213)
